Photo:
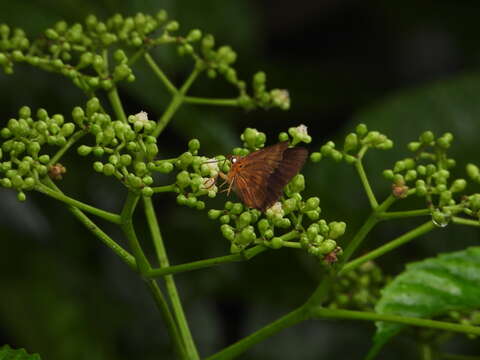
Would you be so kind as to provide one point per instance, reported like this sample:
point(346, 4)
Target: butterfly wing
point(292, 161)
point(260, 177)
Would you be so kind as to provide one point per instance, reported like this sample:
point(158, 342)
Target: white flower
point(276, 210)
point(302, 130)
point(281, 98)
point(142, 117)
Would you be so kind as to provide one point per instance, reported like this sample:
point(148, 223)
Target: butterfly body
point(259, 178)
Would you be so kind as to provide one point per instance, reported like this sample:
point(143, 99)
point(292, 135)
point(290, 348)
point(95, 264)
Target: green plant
point(98, 56)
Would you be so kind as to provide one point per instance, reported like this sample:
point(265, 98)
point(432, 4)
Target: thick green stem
point(364, 179)
point(172, 108)
point(403, 214)
point(129, 231)
point(296, 316)
point(201, 264)
point(58, 195)
point(418, 231)
point(162, 304)
point(55, 158)
point(324, 313)
point(210, 101)
point(116, 104)
point(165, 188)
point(462, 221)
point(92, 227)
point(160, 74)
point(177, 308)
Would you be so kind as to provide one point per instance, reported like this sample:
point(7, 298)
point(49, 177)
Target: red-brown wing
point(292, 162)
point(250, 174)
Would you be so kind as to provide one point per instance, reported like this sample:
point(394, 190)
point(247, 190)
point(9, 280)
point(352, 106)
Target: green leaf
point(430, 288)
point(7, 353)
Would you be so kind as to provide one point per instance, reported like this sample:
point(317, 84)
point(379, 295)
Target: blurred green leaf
point(7, 353)
point(430, 288)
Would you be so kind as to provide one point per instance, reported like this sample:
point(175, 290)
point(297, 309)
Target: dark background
point(401, 67)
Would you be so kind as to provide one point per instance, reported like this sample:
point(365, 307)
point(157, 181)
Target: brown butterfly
point(259, 178)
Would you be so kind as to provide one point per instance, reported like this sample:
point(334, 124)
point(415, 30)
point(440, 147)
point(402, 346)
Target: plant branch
point(73, 139)
point(324, 313)
point(58, 195)
point(364, 179)
point(124, 255)
point(462, 221)
point(210, 101)
point(167, 317)
point(165, 188)
point(201, 264)
point(172, 291)
point(129, 231)
point(116, 104)
point(160, 74)
point(403, 214)
point(418, 231)
point(296, 316)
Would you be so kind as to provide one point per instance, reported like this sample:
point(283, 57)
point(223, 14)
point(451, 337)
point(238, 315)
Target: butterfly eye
point(234, 160)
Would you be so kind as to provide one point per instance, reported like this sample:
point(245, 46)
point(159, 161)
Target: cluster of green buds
point(359, 288)
point(23, 161)
point(126, 149)
point(291, 222)
point(427, 174)
point(98, 54)
point(354, 146)
point(197, 175)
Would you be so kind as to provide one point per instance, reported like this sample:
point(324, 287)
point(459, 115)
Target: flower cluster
point(24, 157)
point(355, 146)
point(98, 54)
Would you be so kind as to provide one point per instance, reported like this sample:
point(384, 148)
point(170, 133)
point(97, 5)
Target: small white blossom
point(276, 210)
point(281, 98)
point(142, 117)
point(302, 130)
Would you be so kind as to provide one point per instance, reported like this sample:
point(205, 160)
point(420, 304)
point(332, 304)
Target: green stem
point(418, 231)
point(160, 74)
point(462, 221)
point(129, 231)
point(162, 304)
point(403, 214)
point(90, 225)
point(210, 101)
point(181, 320)
point(366, 184)
point(116, 104)
point(201, 264)
point(172, 108)
point(165, 188)
point(324, 313)
point(58, 195)
point(73, 139)
point(296, 316)
point(426, 351)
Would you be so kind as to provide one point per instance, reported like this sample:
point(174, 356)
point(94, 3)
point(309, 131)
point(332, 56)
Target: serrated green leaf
point(430, 288)
point(7, 353)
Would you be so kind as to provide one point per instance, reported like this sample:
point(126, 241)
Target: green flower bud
point(183, 179)
point(414, 146)
point(164, 167)
point(473, 171)
point(427, 137)
point(351, 142)
point(98, 166)
point(247, 235)
point(327, 246)
point(337, 229)
point(194, 35)
point(78, 114)
point(214, 214)
point(283, 223)
point(410, 175)
point(237, 208)
point(147, 191)
point(244, 219)
point(67, 129)
point(152, 150)
point(283, 136)
point(361, 130)
point(93, 106)
point(227, 232)
point(193, 145)
point(21, 196)
point(263, 225)
point(33, 148)
point(458, 185)
point(336, 155)
point(276, 243)
point(147, 180)
point(313, 214)
point(315, 156)
point(388, 174)
point(17, 181)
point(297, 184)
point(185, 160)
point(440, 218)
point(108, 169)
point(98, 151)
point(6, 183)
point(181, 199)
point(312, 203)
point(172, 26)
point(312, 231)
point(224, 219)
